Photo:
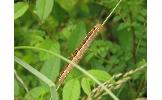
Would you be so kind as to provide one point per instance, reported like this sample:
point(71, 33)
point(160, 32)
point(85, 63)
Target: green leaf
point(51, 66)
point(46, 44)
point(141, 62)
point(116, 18)
point(37, 93)
point(95, 9)
point(100, 75)
point(67, 5)
point(73, 74)
point(59, 13)
point(123, 26)
point(100, 47)
point(19, 9)
point(44, 8)
point(85, 83)
point(67, 31)
point(76, 37)
point(51, 24)
point(71, 90)
point(16, 88)
point(125, 39)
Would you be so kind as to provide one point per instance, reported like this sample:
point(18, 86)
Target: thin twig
point(111, 13)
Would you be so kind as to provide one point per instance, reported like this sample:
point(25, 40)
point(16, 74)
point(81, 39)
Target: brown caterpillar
point(79, 52)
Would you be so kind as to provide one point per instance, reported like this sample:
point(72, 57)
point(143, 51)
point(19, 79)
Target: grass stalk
point(40, 76)
point(75, 65)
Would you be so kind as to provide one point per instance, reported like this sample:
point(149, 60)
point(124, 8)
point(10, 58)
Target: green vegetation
point(47, 32)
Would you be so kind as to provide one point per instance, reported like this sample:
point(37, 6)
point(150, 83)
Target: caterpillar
point(79, 52)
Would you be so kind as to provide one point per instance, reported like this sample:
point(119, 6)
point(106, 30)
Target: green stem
point(134, 39)
point(40, 76)
point(75, 65)
point(19, 79)
point(111, 13)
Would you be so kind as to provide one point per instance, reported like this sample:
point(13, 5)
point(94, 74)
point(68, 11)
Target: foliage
point(60, 25)
point(20, 9)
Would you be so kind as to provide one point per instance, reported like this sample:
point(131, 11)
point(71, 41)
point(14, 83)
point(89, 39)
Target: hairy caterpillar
point(79, 52)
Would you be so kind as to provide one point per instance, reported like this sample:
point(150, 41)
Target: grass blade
point(75, 65)
point(18, 78)
point(40, 76)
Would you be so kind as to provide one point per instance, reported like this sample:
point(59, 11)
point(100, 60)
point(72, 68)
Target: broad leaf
point(76, 37)
point(19, 9)
point(51, 66)
point(100, 75)
point(44, 8)
point(67, 5)
point(37, 93)
point(85, 83)
point(71, 90)
point(125, 39)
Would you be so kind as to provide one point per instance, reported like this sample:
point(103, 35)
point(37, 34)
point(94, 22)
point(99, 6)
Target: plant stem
point(40, 76)
point(134, 39)
point(117, 84)
point(18, 78)
point(75, 65)
point(111, 13)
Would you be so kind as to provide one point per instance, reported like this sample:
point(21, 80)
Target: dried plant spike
point(79, 52)
point(83, 47)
